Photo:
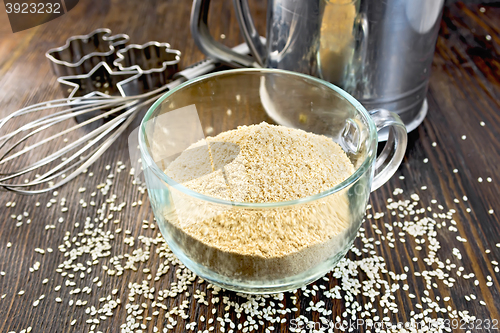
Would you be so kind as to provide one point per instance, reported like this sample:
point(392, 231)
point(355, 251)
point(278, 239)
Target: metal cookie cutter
point(100, 79)
point(81, 54)
point(157, 63)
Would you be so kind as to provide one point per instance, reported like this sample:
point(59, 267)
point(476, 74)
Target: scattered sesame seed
point(100, 237)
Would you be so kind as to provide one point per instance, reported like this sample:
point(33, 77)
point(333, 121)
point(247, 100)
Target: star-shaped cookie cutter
point(156, 62)
point(101, 79)
point(82, 53)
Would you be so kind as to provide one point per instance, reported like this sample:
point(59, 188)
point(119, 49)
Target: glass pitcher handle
point(208, 45)
point(391, 156)
point(249, 32)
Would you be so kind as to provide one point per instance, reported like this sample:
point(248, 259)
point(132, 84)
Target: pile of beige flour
point(260, 164)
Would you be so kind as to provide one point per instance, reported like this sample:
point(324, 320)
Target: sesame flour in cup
point(263, 231)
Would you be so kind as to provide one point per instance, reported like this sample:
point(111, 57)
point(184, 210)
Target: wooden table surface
point(463, 121)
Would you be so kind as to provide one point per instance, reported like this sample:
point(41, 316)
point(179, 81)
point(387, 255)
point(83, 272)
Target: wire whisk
point(109, 116)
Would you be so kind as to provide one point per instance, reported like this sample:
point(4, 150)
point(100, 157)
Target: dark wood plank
point(464, 91)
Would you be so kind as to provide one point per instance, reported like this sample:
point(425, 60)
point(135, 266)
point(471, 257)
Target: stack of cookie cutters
point(102, 64)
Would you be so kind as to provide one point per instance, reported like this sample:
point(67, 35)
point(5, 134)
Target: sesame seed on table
point(89, 258)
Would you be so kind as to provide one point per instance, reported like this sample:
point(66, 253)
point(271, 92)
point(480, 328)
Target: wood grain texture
point(464, 90)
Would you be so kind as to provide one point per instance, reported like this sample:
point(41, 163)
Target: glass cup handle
point(391, 156)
